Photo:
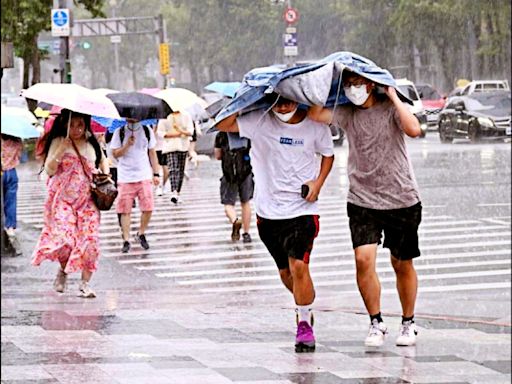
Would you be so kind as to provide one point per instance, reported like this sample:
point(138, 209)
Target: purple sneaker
point(305, 339)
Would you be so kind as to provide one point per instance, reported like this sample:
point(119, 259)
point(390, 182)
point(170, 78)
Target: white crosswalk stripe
point(190, 245)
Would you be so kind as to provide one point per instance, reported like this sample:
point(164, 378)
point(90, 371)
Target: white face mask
point(285, 117)
point(357, 94)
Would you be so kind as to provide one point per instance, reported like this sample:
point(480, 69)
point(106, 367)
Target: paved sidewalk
point(144, 332)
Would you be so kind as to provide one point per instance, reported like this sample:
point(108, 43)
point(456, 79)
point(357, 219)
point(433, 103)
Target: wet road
point(193, 270)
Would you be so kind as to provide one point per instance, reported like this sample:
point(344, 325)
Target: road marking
point(382, 258)
point(270, 265)
point(315, 275)
point(493, 205)
point(460, 287)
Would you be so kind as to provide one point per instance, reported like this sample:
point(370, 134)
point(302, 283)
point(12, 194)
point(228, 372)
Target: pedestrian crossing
point(190, 245)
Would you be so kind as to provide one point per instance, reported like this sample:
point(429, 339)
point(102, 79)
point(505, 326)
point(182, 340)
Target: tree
point(23, 20)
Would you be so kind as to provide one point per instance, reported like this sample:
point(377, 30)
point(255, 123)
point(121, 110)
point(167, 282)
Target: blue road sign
point(60, 18)
point(60, 22)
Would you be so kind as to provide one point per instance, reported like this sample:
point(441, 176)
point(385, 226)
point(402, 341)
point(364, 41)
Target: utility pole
point(114, 4)
point(162, 40)
point(290, 49)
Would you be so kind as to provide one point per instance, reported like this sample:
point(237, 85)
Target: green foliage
point(23, 20)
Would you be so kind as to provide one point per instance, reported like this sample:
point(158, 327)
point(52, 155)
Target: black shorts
point(162, 158)
point(400, 227)
point(230, 192)
point(289, 237)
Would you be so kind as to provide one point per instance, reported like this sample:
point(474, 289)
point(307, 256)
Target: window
point(409, 91)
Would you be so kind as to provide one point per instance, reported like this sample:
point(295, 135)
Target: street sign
point(163, 55)
point(60, 22)
point(290, 42)
point(115, 39)
point(290, 15)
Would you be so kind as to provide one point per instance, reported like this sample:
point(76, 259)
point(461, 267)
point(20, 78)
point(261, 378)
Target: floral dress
point(71, 220)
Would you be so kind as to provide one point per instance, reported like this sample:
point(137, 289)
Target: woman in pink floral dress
point(71, 220)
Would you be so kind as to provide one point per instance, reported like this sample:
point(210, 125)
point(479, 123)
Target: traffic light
point(85, 45)
point(163, 54)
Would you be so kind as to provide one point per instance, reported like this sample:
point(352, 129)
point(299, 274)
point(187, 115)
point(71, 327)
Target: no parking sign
point(290, 15)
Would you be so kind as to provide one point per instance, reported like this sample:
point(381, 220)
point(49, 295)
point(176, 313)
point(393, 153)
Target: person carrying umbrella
point(284, 145)
point(176, 130)
point(383, 194)
point(136, 171)
point(70, 234)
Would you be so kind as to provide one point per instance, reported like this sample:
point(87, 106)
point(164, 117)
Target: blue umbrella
point(16, 122)
point(261, 81)
point(225, 88)
point(113, 124)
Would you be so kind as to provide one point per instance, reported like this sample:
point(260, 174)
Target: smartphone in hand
point(304, 190)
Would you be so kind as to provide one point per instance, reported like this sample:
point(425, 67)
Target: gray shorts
point(230, 192)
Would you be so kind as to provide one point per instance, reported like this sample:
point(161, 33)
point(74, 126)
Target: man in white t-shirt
point(284, 148)
point(135, 173)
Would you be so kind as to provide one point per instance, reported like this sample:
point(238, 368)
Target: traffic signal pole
point(64, 61)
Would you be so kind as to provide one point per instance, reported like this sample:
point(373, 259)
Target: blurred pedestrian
point(163, 187)
point(136, 171)
point(237, 181)
point(284, 147)
point(71, 220)
point(383, 195)
point(192, 154)
point(177, 130)
point(11, 154)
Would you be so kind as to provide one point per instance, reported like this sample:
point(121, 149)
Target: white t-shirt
point(283, 157)
point(134, 165)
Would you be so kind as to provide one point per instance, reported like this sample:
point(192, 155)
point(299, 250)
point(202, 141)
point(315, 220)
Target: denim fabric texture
point(10, 186)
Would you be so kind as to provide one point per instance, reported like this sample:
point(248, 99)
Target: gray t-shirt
point(379, 169)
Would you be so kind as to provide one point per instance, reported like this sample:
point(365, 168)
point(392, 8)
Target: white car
point(484, 86)
point(408, 88)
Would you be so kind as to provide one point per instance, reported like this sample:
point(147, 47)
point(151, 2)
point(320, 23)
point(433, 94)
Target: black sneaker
point(142, 240)
point(246, 237)
point(126, 247)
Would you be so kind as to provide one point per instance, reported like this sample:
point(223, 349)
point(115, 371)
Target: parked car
point(433, 102)
point(481, 115)
point(408, 88)
point(476, 86)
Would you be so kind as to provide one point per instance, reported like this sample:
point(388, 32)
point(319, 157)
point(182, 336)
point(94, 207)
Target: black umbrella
point(139, 106)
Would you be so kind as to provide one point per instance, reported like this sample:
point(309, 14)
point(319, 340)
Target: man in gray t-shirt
point(383, 195)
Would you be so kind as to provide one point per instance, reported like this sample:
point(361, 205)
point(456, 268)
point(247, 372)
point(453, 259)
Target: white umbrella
point(73, 97)
point(181, 99)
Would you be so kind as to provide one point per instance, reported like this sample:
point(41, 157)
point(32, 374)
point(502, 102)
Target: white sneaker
point(174, 197)
point(166, 188)
point(376, 334)
point(86, 291)
point(159, 191)
point(11, 232)
point(407, 334)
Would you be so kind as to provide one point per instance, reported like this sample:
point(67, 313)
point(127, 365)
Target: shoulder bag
point(103, 190)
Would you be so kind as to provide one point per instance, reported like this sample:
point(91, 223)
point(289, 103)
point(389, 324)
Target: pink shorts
point(143, 190)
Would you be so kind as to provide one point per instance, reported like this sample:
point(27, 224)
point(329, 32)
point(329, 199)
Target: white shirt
point(182, 143)
point(283, 157)
point(134, 165)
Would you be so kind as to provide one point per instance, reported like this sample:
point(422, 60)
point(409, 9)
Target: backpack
point(236, 164)
point(122, 132)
